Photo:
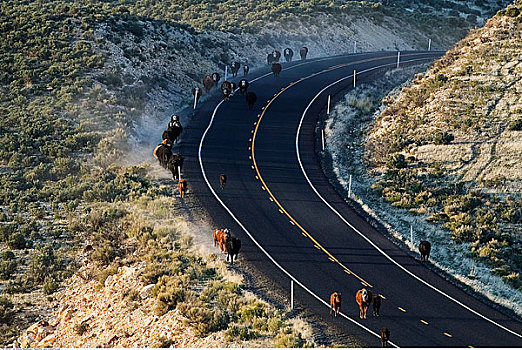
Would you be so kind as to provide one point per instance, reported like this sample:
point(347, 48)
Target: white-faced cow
point(235, 68)
point(288, 53)
point(243, 86)
point(226, 88)
point(246, 68)
point(216, 77)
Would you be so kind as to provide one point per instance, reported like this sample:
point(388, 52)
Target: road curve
point(295, 226)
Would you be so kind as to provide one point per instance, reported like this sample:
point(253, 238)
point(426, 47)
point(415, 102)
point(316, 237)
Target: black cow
point(246, 68)
point(288, 53)
point(424, 250)
point(273, 57)
point(251, 98)
point(175, 164)
point(232, 246)
point(303, 52)
point(216, 77)
point(235, 68)
point(376, 303)
point(163, 152)
point(233, 87)
point(243, 86)
point(173, 131)
point(276, 68)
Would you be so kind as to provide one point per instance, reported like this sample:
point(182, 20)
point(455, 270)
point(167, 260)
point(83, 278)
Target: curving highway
point(295, 226)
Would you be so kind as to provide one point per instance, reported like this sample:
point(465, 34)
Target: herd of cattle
point(222, 237)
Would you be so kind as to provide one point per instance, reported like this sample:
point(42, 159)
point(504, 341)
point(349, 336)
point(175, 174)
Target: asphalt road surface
point(295, 226)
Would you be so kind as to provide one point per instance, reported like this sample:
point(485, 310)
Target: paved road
point(294, 225)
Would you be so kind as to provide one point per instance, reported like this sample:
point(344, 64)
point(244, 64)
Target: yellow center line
point(448, 335)
point(400, 308)
point(424, 322)
point(253, 140)
point(282, 209)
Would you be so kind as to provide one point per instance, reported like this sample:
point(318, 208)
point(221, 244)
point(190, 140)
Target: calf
point(424, 250)
point(385, 337)
point(335, 303)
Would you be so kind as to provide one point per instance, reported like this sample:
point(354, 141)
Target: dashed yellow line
point(424, 322)
point(400, 308)
point(448, 335)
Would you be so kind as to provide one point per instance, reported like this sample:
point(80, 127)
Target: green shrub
point(6, 310)
point(50, 285)
point(443, 138)
point(396, 161)
point(515, 125)
point(81, 328)
point(17, 241)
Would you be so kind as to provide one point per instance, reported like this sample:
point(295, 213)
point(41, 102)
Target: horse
point(251, 98)
point(288, 53)
point(424, 250)
point(232, 246)
point(246, 68)
point(276, 68)
point(220, 237)
point(235, 68)
point(376, 304)
point(385, 337)
point(216, 77)
point(243, 86)
point(363, 298)
point(335, 303)
point(208, 83)
point(182, 185)
point(197, 92)
point(226, 88)
point(303, 52)
point(222, 180)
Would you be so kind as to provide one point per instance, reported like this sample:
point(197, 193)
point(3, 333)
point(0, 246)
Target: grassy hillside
point(448, 148)
point(77, 77)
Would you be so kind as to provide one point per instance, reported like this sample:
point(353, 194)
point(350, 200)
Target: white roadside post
point(328, 106)
point(354, 75)
point(226, 71)
point(292, 294)
point(322, 139)
point(350, 187)
point(411, 237)
point(398, 58)
point(429, 44)
point(179, 172)
point(355, 46)
point(196, 98)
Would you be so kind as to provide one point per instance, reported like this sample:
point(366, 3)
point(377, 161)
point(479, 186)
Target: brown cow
point(335, 303)
point(182, 185)
point(303, 52)
point(222, 180)
point(385, 337)
point(208, 83)
point(276, 68)
point(226, 88)
point(424, 250)
point(363, 298)
point(220, 237)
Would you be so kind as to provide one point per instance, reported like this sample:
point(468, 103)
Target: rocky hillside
point(86, 88)
point(448, 148)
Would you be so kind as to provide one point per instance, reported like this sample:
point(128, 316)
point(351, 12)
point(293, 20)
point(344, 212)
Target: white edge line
point(245, 229)
point(355, 229)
